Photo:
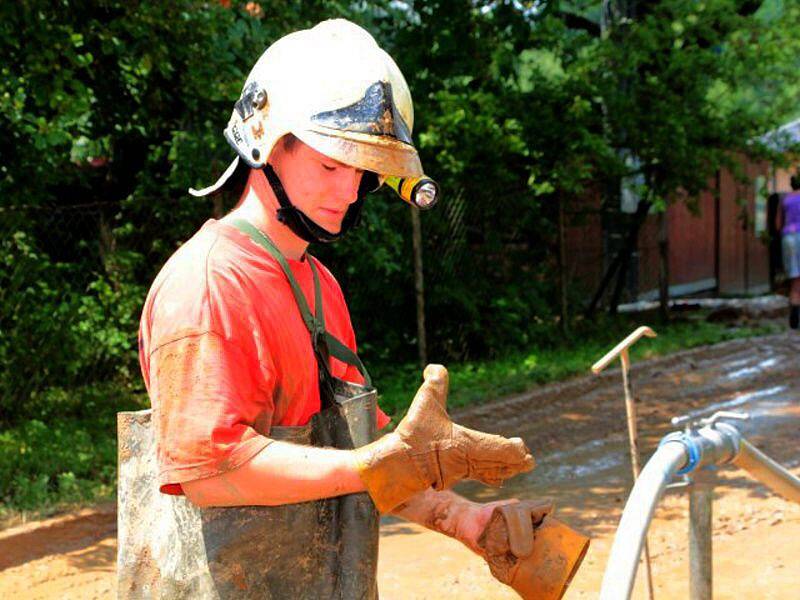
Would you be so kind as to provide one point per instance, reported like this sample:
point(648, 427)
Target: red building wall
point(692, 239)
point(715, 248)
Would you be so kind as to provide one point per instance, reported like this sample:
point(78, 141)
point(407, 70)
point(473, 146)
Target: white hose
point(629, 539)
point(767, 471)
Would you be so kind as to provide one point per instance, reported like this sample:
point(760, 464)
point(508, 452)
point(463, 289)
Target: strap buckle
point(317, 330)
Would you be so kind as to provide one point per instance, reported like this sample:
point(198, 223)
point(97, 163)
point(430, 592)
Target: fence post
point(663, 264)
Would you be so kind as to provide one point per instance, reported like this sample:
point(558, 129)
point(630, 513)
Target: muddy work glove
point(428, 450)
point(531, 551)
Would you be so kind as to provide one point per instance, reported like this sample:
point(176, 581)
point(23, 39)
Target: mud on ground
point(576, 429)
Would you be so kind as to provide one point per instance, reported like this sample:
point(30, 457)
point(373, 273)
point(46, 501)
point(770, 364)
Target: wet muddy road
point(577, 432)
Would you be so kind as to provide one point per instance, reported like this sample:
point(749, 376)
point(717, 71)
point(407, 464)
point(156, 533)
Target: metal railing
point(705, 443)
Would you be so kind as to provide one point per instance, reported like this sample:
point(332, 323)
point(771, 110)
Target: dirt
point(576, 430)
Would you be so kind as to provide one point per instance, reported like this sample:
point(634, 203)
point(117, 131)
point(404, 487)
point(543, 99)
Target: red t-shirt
point(225, 354)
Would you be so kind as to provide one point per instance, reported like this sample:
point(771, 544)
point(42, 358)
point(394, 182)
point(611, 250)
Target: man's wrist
point(348, 471)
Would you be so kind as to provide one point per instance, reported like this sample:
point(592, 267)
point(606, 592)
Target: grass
point(52, 463)
point(480, 381)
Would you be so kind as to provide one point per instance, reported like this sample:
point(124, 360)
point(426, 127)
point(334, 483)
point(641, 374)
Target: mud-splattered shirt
point(225, 354)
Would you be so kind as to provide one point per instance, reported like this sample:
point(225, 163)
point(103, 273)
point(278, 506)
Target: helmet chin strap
point(301, 224)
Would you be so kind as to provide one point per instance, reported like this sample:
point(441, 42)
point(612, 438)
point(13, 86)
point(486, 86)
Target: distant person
point(788, 222)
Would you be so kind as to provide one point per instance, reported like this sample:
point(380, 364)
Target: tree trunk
point(419, 286)
point(612, 268)
point(622, 277)
point(663, 266)
point(562, 268)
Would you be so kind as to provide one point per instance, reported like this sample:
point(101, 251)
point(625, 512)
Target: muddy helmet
point(337, 91)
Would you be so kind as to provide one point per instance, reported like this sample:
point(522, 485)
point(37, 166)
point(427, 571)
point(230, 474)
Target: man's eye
point(327, 168)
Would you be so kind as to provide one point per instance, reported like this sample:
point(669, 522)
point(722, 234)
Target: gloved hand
point(531, 551)
point(427, 449)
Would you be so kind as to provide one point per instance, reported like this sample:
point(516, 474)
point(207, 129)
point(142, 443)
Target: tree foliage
point(116, 108)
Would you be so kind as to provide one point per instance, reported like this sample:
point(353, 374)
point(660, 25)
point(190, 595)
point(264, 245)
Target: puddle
point(586, 460)
point(749, 371)
point(738, 363)
point(738, 400)
point(772, 408)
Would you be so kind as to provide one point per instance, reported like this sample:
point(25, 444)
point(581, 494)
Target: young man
point(249, 356)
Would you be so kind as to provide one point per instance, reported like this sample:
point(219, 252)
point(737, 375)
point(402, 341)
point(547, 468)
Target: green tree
point(109, 111)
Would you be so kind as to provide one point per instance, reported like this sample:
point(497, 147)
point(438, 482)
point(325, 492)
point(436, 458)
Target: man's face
point(319, 186)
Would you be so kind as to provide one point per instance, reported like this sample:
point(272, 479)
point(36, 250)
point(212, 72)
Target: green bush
point(58, 334)
point(43, 465)
point(64, 459)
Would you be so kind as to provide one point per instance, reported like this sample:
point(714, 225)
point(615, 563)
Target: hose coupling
point(692, 449)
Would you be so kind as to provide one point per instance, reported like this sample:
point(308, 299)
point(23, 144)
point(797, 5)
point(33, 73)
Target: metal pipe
point(624, 559)
point(767, 471)
point(678, 453)
point(717, 443)
point(701, 493)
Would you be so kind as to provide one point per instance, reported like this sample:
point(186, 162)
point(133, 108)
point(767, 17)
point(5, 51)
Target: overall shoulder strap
point(336, 348)
point(262, 240)
point(315, 323)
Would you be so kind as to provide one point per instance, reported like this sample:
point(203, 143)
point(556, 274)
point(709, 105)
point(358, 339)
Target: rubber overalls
point(169, 548)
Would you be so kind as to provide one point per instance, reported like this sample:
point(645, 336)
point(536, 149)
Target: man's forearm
point(282, 473)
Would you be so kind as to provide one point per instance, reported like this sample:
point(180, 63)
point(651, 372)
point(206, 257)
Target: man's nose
point(350, 182)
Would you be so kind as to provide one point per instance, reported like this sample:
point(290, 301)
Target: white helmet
point(337, 91)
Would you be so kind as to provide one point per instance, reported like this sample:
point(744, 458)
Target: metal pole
point(419, 287)
point(562, 267)
point(633, 437)
point(701, 494)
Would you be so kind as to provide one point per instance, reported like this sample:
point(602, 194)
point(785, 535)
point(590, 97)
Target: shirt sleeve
point(205, 398)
